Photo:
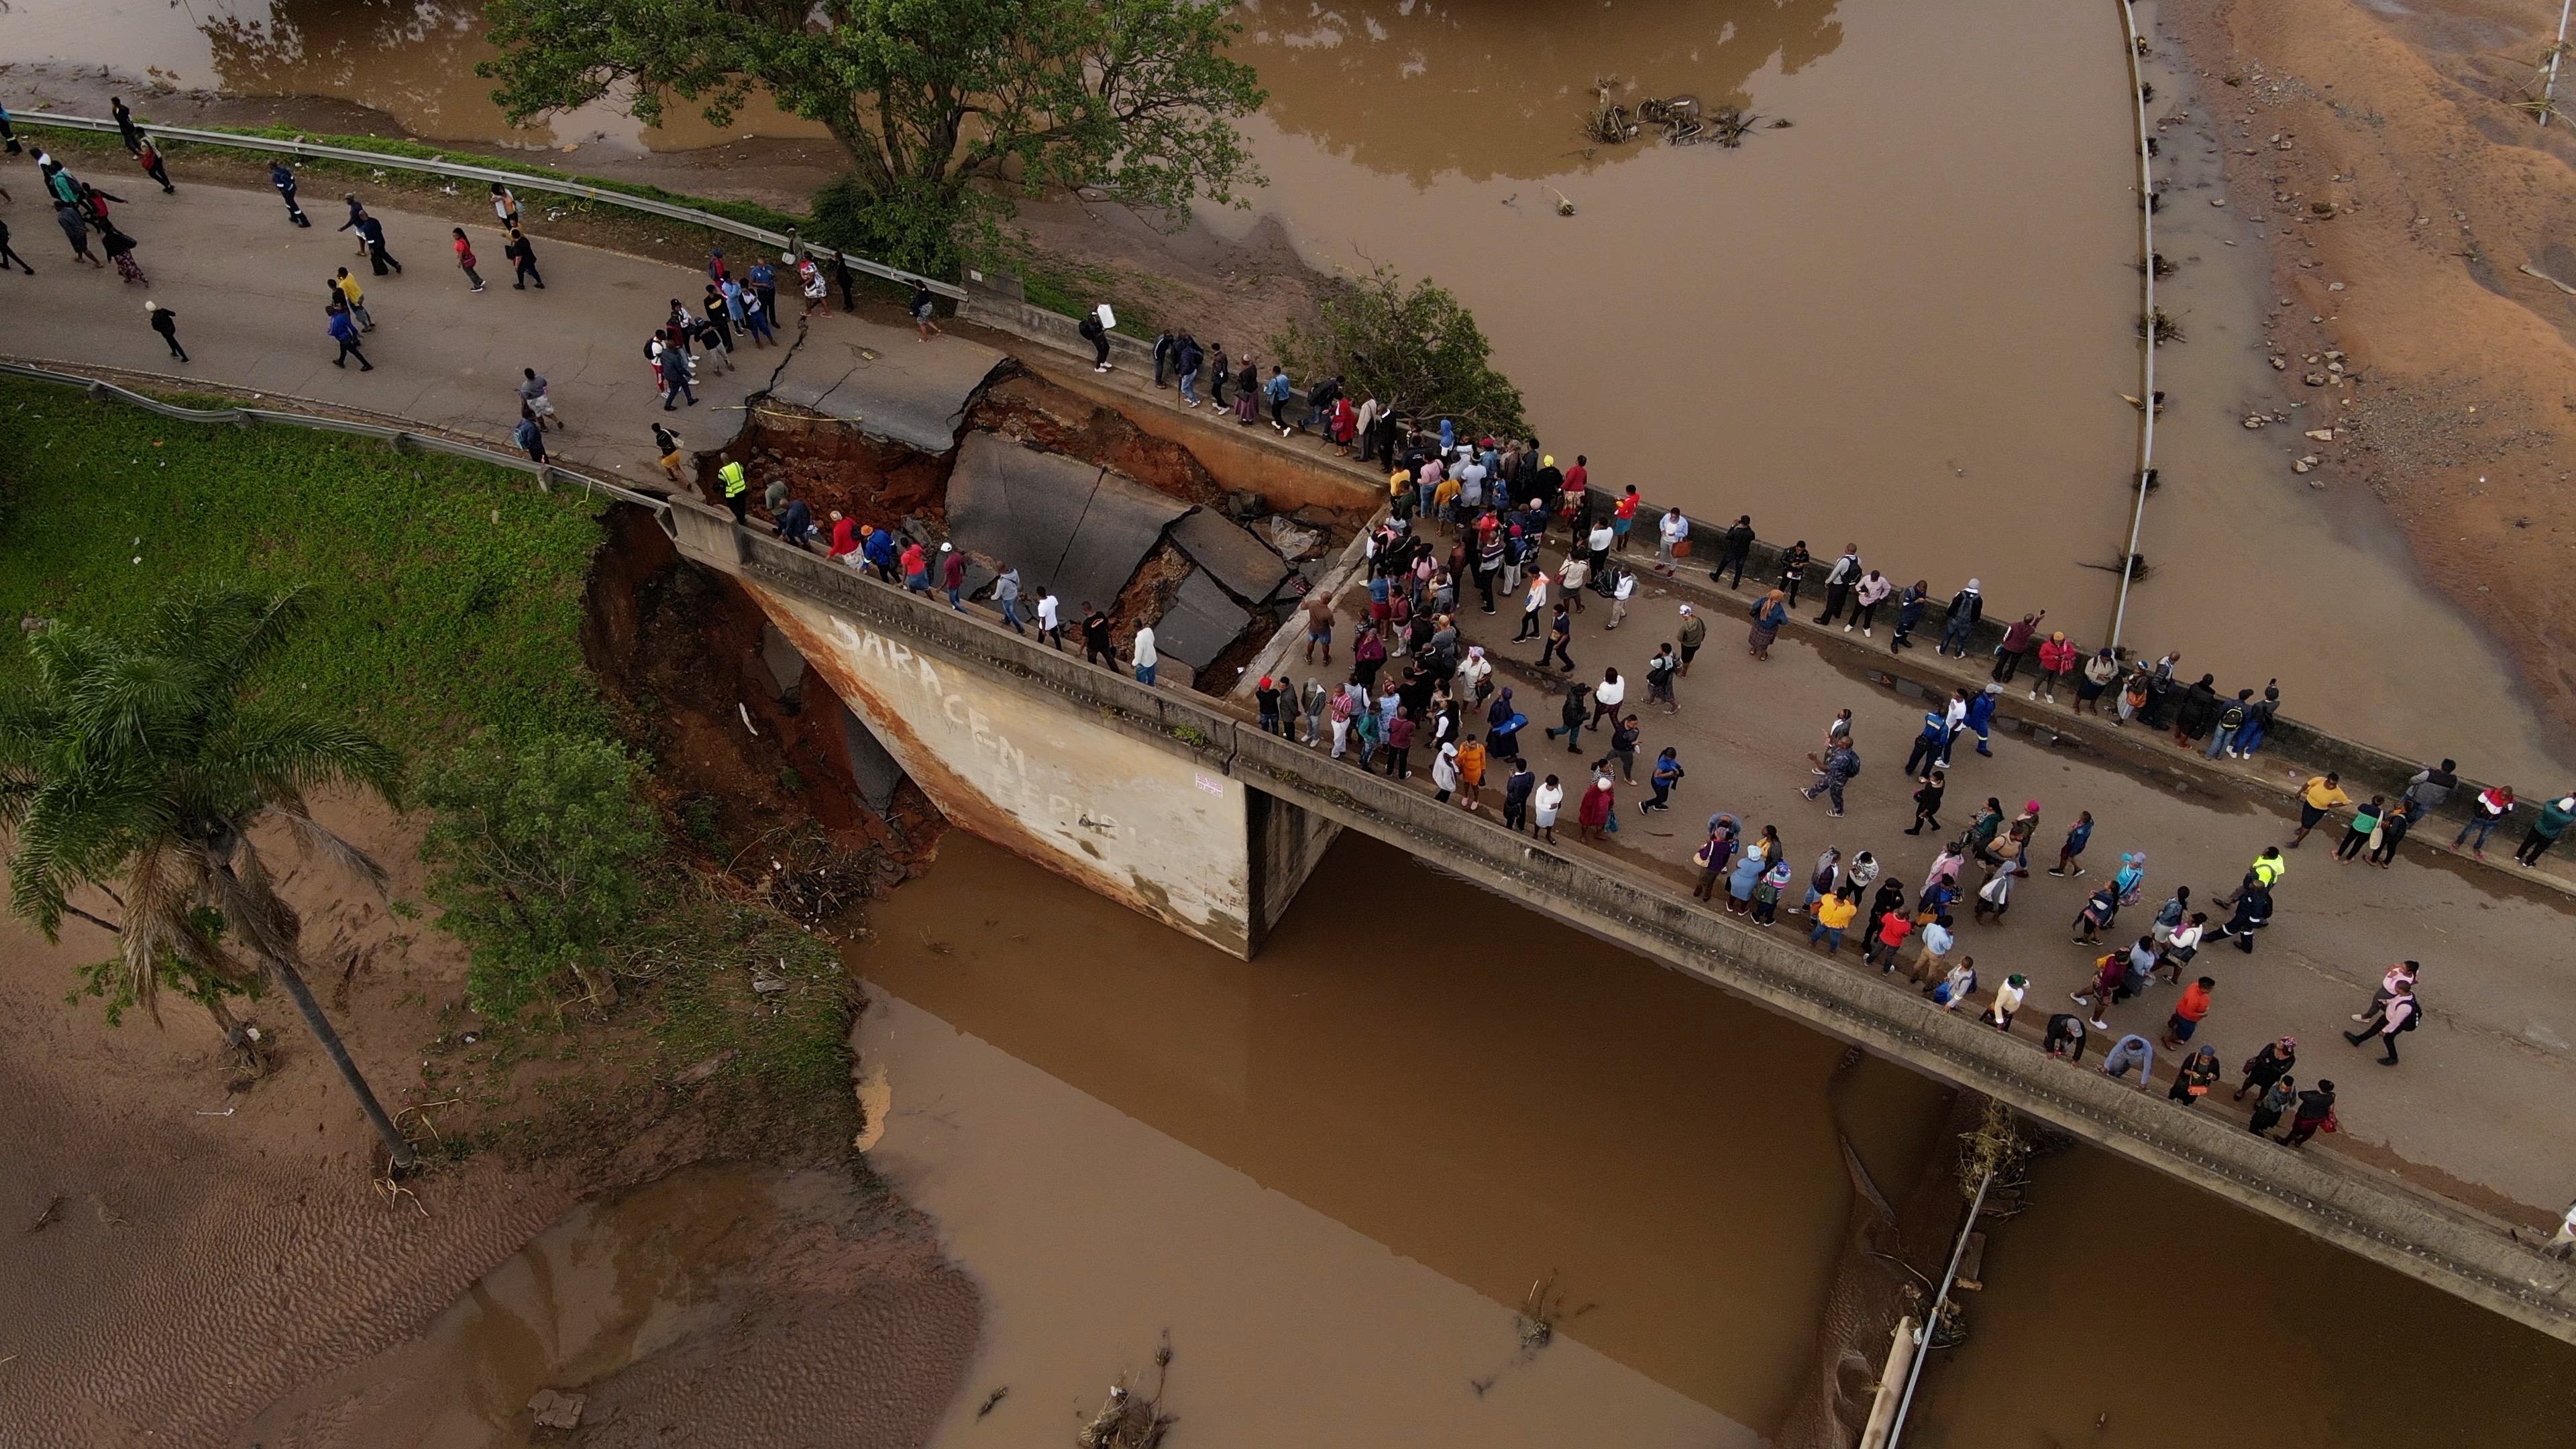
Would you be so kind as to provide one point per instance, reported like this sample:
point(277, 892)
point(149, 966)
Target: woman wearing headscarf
point(1748, 871)
point(1714, 855)
point(1593, 816)
point(1768, 615)
point(2269, 1065)
point(2197, 1074)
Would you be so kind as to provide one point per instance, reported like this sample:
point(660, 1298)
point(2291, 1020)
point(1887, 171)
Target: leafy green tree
point(145, 761)
point(929, 97)
point(1416, 350)
point(535, 859)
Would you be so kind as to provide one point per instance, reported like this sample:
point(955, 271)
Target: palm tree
point(145, 760)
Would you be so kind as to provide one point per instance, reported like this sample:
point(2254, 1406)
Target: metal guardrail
point(399, 439)
point(516, 180)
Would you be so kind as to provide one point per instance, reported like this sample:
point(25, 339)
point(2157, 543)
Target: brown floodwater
point(614, 1282)
point(1496, 1098)
point(1333, 1171)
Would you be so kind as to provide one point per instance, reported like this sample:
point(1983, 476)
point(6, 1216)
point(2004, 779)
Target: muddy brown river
point(1333, 1172)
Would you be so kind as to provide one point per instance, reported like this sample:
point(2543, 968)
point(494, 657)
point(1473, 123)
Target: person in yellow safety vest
point(2269, 867)
point(737, 491)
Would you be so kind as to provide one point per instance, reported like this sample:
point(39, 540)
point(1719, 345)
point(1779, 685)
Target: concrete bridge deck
point(1649, 911)
point(2471, 1102)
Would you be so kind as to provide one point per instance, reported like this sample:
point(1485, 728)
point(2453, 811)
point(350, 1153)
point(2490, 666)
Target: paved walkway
point(248, 289)
point(2477, 1094)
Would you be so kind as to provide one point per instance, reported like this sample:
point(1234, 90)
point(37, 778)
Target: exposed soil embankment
point(2405, 198)
point(754, 767)
point(229, 1240)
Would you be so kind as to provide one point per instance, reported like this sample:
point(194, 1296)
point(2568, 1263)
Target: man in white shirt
point(1143, 654)
point(1620, 593)
point(1930, 962)
point(1670, 530)
point(1607, 696)
point(1050, 624)
point(1956, 717)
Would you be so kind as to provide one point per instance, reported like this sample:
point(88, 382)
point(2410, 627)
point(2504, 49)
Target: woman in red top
point(1893, 927)
point(1595, 813)
point(2056, 665)
point(1623, 516)
point(465, 258)
point(1345, 424)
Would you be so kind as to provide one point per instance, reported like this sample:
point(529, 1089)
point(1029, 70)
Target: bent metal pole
point(2146, 324)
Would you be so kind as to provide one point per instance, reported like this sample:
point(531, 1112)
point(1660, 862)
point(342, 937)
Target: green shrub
point(536, 858)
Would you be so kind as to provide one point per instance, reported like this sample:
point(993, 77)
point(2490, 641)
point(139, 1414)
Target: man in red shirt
point(2188, 1012)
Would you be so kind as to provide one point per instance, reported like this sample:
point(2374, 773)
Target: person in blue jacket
point(1981, 715)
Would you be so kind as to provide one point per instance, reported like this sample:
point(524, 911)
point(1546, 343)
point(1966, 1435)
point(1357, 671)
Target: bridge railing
point(531, 181)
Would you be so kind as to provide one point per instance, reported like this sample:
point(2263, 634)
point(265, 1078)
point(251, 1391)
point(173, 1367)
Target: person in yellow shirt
point(2316, 801)
point(1399, 491)
point(1833, 915)
point(356, 297)
point(1444, 499)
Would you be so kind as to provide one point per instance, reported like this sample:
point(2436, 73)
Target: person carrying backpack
point(2398, 1013)
point(1838, 767)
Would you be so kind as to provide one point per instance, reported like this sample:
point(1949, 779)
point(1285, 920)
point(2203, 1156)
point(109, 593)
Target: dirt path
point(198, 1251)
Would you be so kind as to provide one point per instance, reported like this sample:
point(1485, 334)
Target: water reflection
point(1494, 88)
point(413, 58)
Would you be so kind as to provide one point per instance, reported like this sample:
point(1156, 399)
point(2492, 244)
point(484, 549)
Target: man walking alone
point(166, 322)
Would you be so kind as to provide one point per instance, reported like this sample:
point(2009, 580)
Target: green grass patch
point(448, 595)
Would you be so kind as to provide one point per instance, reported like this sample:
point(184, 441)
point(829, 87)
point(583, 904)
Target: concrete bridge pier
point(1127, 803)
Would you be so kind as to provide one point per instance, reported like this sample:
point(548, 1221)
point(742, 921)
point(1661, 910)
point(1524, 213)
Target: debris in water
point(1608, 121)
point(557, 1410)
point(2160, 326)
point(2138, 567)
point(1727, 125)
point(1132, 1420)
point(1541, 1311)
point(993, 1400)
point(1678, 115)
point(1564, 207)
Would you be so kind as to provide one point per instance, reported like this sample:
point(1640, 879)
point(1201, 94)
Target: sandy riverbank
point(2397, 121)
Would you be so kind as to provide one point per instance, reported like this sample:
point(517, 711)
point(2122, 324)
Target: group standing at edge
point(1445, 704)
